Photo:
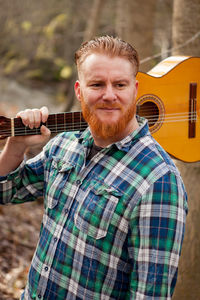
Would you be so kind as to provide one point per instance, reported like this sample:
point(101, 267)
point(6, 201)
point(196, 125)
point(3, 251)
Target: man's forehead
point(99, 56)
point(98, 62)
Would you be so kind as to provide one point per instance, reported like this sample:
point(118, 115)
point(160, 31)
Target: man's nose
point(109, 93)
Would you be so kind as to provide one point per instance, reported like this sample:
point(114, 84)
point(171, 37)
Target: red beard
point(107, 130)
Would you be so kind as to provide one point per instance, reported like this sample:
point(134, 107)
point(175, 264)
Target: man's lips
point(109, 108)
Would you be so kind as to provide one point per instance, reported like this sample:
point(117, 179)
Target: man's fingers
point(45, 131)
point(34, 117)
point(44, 113)
point(24, 115)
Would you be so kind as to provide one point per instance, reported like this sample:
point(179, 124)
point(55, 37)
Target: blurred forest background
point(37, 44)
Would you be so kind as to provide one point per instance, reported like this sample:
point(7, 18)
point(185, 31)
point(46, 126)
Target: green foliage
point(35, 51)
point(26, 26)
point(38, 39)
point(57, 24)
point(34, 74)
point(15, 65)
point(66, 72)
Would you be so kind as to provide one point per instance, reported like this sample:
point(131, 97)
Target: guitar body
point(170, 93)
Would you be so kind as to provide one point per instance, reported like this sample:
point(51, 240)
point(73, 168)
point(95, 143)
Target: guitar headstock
point(5, 127)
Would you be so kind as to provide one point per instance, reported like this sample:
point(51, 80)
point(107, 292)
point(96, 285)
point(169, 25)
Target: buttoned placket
point(46, 268)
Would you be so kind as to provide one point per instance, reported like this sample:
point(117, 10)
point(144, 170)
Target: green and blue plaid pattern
point(112, 226)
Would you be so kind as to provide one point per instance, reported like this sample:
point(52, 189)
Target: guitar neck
point(60, 122)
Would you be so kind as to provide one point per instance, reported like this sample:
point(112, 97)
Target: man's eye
point(96, 84)
point(120, 85)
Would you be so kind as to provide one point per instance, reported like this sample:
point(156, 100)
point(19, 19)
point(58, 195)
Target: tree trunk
point(93, 20)
point(186, 24)
point(135, 24)
point(162, 31)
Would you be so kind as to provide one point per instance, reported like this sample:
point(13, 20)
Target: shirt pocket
point(58, 176)
point(94, 213)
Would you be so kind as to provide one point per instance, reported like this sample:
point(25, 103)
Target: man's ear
point(77, 90)
point(136, 88)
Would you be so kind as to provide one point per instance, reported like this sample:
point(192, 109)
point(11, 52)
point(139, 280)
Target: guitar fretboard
point(70, 121)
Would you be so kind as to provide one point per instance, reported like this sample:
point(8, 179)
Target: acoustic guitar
point(167, 98)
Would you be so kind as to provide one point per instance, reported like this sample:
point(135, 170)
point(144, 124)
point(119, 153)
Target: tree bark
point(186, 24)
point(162, 31)
point(93, 20)
point(135, 20)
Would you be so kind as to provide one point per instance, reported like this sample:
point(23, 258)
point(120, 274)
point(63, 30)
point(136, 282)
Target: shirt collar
point(130, 139)
point(86, 137)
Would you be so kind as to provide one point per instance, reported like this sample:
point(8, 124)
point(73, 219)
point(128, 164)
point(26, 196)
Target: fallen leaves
point(19, 232)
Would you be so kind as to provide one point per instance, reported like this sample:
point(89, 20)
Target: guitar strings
point(79, 126)
point(161, 118)
point(26, 130)
point(152, 113)
point(152, 116)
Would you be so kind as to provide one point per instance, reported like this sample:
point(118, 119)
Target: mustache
point(108, 106)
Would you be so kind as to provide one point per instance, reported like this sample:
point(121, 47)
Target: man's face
point(107, 91)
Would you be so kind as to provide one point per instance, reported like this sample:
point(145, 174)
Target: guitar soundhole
point(151, 108)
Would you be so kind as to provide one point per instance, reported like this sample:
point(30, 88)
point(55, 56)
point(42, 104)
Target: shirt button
point(78, 182)
point(66, 210)
point(55, 239)
point(39, 296)
point(46, 269)
point(59, 166)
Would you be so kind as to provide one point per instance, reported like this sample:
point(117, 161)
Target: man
point(115, 204)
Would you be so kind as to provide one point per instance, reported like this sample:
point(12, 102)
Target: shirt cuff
point(12, 174)
point(3, 178)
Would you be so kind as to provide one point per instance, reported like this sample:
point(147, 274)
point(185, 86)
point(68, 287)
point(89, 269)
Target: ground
point(19, 231)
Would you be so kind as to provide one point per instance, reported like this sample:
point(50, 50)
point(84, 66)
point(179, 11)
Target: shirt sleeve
point(157, 228)
point(24, 184)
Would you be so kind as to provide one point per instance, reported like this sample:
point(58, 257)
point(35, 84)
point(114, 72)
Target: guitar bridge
point(192, 110)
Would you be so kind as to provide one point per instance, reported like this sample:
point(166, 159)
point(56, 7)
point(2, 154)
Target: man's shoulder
point(150, 156)
point(62, 141)
point(68, 135)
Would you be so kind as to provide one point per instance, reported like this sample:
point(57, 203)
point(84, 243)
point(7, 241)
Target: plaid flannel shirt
point(112, 226)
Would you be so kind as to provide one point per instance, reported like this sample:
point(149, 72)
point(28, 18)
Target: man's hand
point(13, 152)
point(33, 118)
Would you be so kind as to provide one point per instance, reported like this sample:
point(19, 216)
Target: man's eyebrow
point(96, 80)
point(121, 80)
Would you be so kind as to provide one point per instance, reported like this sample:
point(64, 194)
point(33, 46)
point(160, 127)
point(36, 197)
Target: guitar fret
point(47, 124)
point(65, 121)
point(12, 127)
point(80, 121)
